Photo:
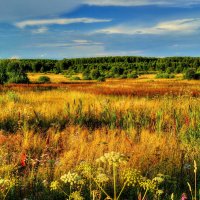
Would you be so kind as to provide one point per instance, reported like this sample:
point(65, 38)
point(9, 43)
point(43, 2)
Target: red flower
point(184, 196)
point(23, 160)
point(187, 120)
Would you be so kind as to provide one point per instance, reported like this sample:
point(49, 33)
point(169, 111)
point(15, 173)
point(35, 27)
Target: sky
point(57, 29)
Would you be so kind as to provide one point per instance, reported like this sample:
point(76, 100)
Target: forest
point(100, 68)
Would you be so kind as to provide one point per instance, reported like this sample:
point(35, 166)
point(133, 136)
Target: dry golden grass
point(161, 136)
point(55, 78)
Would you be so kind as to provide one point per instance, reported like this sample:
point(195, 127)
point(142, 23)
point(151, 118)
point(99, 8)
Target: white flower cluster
point(102, 178)
point(85, 169)
point(54, 185)
point(72, 178)
point(76, 196)
point(113, 158)
point(132, 177)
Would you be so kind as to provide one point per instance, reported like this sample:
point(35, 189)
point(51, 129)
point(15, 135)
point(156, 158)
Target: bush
point(75, 78)
point(192, 74)
point(197, 76)
point(43, 79)
point(101, 79)
point(19, 78)
point(3, 75)
point(165, 75)
point(95, 74)
point(16, 73)
point(86, 78)
point(132, 75)
point(123, 76)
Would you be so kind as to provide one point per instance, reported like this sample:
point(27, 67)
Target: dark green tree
point(95, 74)
point(190, 74)
point(3, 75)
point(16, 73)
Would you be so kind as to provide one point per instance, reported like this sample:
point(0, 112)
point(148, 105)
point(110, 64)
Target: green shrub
point(165, 75)
point(192, 74)
point(132, 75)
point(75, 78)
point(43, 79)
point(3, 75)
point(197, 76)
point(101, 79)
point(19, 78)
point(86, 78)
point(95, 74)
point(123, 76)
point(109, 75)
point(16, 73)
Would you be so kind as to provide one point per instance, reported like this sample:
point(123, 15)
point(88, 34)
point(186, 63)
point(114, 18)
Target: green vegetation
point(13, 72)
point(75, 78)
point(165, 75)
point(191, 73)
point(43, 79)
point(108, 67)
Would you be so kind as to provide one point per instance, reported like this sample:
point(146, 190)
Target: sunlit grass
point(58, 129)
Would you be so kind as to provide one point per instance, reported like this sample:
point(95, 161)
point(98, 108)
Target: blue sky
point(85, 28)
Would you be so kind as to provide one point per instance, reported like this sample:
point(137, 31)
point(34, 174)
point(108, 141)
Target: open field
point(48, 130)
point(145, 85)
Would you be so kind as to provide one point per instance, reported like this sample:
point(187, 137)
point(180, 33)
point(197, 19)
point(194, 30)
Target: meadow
point(136, 139)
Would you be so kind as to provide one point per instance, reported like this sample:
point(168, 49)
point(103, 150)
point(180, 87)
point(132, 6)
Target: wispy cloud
point(120, 53)
point(183, 26)
point(40, 30)
point(73, 43)
point(25, 9)
point(142, 2)
point(59, 21)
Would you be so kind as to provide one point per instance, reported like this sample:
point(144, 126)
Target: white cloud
point(40, 30)
point(81, 41)
point(11, 10)
point(142, 2)
point(22, 9)
point(120, 53)
point(183, 26)
point(59, 21)
point(74, 43)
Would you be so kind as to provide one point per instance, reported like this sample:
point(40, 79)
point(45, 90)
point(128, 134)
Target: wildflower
point(132, 177)
point(54, 185)
point(113, 158)
point(148, 184)
point(23, 160)
point(76, 196)
point(71, 178)
point(102, 178)
point(184, 196)
point(158, 179)
point(85, 169)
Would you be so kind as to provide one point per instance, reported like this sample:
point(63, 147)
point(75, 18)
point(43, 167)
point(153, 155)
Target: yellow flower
point(54, 185)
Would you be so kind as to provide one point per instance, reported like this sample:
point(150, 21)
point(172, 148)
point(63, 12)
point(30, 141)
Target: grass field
point(52, 135)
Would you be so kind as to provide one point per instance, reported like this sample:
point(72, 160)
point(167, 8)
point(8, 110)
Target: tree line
point(99, 67)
